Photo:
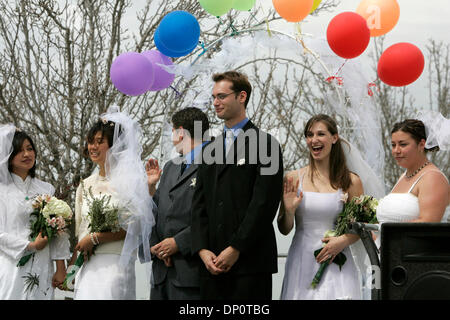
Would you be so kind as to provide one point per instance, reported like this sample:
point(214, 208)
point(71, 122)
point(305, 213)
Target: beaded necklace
point(417, 171)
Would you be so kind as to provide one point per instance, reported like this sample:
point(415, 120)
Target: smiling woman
point(313, 197)
point(35, 279)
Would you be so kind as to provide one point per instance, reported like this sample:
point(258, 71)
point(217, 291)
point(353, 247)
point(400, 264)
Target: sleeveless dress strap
point(398, 180)
point(300, 185)
point(415, 182)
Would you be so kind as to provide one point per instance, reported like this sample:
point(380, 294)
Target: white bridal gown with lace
point(102, 277)
point(315, 215)
point(15, 212)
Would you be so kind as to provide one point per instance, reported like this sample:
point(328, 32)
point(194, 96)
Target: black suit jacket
point(235, 204)
point(173, 219)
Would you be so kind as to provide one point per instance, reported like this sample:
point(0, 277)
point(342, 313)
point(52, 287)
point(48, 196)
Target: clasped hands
point(164, 250)
point(219, 264)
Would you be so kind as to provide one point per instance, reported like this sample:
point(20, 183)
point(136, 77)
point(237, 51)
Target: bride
point(313, 197)
point(109, 274)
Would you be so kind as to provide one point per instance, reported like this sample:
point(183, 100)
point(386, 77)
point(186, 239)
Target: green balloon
point(243, 5)
point(216, 7)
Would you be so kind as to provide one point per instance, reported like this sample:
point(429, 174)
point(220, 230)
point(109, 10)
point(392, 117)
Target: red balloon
point(348, 35)
point(401, 64)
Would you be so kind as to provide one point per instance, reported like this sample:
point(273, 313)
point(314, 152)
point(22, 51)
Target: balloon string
point(234, 32)
point(177, 93)
point(202, 44)
point(268, 28)
point(340, 68)
point(369, 90)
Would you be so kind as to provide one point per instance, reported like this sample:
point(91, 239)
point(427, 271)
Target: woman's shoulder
point(434, 177)
point(355, 178)
point(295, 173)
point(43, 187)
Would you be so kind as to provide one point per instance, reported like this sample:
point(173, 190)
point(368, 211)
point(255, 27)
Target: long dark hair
point(339, 173)
point(416, 129)
point(17, 143)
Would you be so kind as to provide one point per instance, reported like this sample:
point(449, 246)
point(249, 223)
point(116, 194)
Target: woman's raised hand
point(290, 198)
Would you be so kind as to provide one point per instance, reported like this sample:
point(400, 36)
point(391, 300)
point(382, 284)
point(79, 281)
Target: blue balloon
point(167, 52)
point(178, 34)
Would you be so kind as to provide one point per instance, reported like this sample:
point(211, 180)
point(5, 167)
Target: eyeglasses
point(220, 96)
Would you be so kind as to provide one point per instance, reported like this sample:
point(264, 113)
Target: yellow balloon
point(315, 5)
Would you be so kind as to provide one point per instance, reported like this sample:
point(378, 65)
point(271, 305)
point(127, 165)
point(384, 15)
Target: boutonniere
point(241, 162)
point(193, 182)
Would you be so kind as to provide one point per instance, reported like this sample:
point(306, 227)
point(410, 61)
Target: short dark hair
point(17, 143)
point(239, 82)
point(187, 117)
point(416, 129)
point(107, 130)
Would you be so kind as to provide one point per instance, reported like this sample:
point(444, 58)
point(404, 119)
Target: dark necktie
point(183, 167)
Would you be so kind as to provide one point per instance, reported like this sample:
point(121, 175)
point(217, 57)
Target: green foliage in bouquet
point(104, 217)
point(359, 209)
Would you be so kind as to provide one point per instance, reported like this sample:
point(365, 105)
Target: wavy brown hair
point(339, 173)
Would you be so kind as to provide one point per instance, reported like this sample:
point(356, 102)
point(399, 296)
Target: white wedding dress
point(15, 212)
point(102, 277)
point(315, 215)
point(400, 207)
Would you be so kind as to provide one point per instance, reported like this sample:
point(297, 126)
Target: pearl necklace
point(417, 171)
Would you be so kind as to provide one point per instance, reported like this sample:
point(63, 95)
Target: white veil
point(437, 129)
point(126, 174)
point(6, 137)
point(375, 188)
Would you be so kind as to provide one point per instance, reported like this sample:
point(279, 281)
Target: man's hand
point(208, 258)
point(165, 248)
point(227, 258)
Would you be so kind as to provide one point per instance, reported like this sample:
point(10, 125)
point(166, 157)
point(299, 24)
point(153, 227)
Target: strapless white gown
point(400, 207)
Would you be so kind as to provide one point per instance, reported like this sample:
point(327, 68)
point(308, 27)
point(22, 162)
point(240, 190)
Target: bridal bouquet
point(103, 217)
point(50, 216)
point(359, 209)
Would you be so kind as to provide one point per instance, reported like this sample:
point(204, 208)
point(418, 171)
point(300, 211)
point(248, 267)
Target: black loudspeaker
point(415, 261)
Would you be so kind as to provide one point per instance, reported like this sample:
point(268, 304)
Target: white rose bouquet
point(50, 217)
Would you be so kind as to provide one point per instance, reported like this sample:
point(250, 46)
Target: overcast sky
point(419, 21)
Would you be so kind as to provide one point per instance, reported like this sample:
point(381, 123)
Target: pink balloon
point(132, 73)
point(163, 79)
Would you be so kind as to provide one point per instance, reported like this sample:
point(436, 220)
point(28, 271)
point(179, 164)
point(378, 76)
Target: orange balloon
point(293, 10)
point(381, 15)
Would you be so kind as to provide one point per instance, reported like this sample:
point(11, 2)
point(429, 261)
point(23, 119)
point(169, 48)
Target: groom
point(239, 188)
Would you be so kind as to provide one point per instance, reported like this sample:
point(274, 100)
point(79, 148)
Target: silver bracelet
point(92, 239)
point(96, 238)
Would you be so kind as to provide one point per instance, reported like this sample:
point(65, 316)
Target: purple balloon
point(131, 73)
point(163, 79)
